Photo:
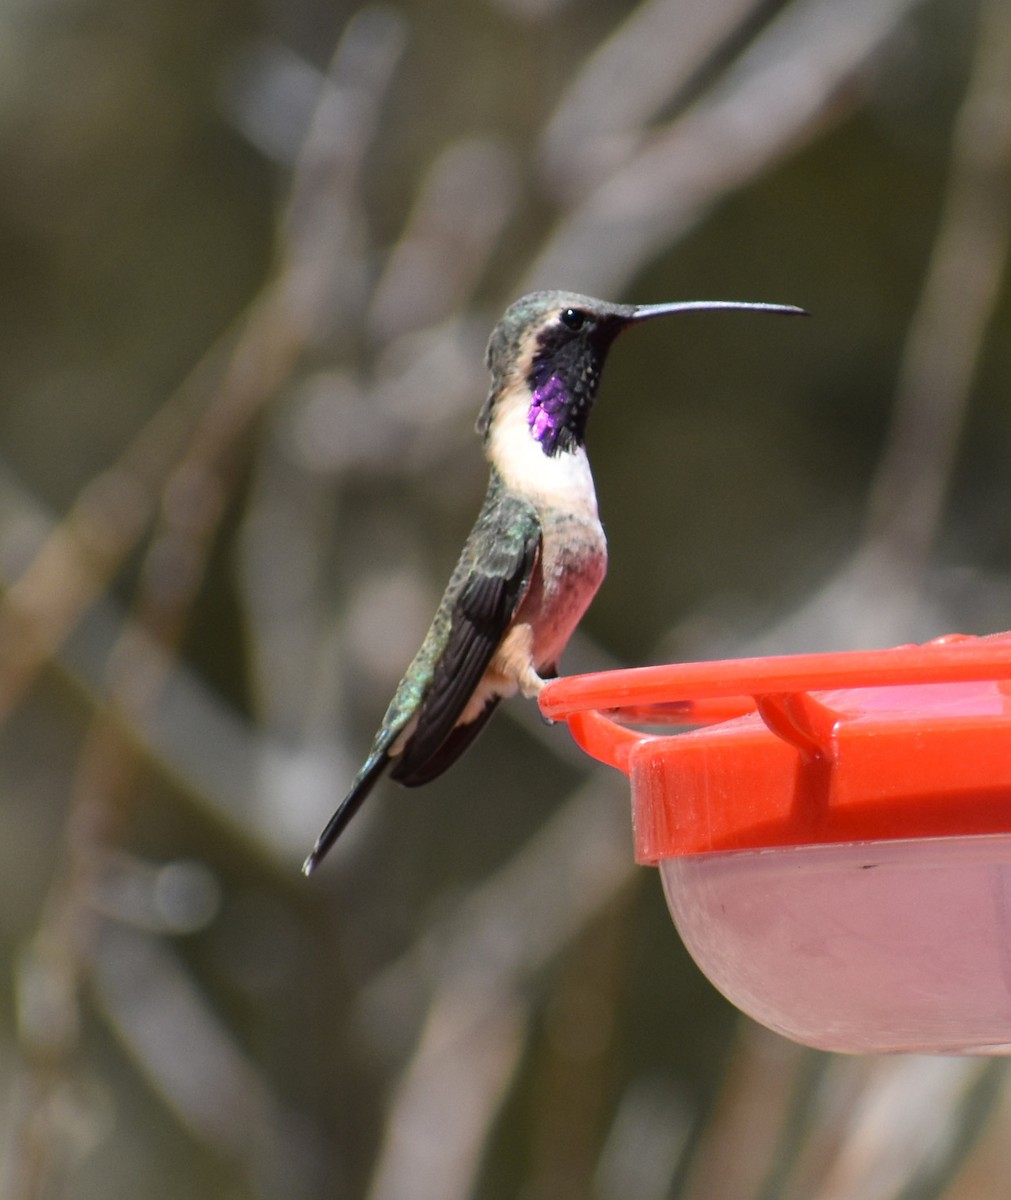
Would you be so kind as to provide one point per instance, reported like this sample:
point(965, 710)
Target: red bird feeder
point(834, 836)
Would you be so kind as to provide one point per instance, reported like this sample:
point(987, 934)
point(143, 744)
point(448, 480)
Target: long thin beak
point(643, 312)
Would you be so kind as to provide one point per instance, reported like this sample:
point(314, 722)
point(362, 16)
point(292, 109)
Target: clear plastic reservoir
point(866, 946)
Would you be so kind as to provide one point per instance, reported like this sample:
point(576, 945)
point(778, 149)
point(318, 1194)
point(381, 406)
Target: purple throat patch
point(547, 408)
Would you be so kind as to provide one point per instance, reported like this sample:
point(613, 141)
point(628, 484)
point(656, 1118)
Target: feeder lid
point(805, 749)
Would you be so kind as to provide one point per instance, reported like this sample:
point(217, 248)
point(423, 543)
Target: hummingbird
point(536, 555)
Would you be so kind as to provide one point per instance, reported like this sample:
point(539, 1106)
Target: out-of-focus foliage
point(251, 258)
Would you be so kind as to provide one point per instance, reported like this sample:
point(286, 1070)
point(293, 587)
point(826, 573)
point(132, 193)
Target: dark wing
point(487, 588)
point(457, 741)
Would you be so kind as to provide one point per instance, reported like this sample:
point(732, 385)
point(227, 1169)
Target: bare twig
point(469, 194)
point(967, 266)
point(904, 1125)
point(480, 969)
point(877, 597)
point(239, 373)
point(192, 503)
point(646, 64)
point(782, 91)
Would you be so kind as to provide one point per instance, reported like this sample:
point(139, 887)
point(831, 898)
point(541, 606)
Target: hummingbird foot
point(514, 660)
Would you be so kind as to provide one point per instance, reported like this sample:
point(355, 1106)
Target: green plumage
point(487, 586)
point(493, 567)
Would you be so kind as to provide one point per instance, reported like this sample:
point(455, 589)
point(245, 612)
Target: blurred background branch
point(960, 292)
point(213, 574)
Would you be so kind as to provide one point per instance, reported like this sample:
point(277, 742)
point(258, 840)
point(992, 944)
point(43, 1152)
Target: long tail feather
point(364, 782)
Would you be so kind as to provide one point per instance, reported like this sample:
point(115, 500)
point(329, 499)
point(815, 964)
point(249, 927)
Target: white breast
point(574, 552)
point(562, 481)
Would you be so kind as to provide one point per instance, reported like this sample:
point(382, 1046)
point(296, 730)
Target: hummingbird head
point(548, 351)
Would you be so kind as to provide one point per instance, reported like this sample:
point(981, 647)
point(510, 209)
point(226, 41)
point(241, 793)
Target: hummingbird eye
point(573, 319)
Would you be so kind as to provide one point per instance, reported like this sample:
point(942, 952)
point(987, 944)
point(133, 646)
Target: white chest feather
point(562, 481)
point(573, 557)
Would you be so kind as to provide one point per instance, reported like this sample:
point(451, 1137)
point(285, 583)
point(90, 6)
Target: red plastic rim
point(909, 742)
